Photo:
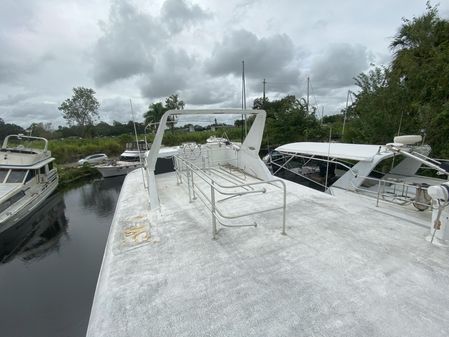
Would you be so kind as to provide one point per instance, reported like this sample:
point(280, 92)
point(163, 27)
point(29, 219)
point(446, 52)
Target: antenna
point(263, 102)
point(308, 93)
point(244, 94)
point(137, 141)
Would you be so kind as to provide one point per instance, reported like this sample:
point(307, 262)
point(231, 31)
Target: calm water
point(49, 264)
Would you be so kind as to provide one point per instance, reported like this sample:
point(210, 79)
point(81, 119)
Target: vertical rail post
point(214, 220)
point(178, 173)
point(284, 209)
point(188, 182)
point(193, 185)
point(378, 193)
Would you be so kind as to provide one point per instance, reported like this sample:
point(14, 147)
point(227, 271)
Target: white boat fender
point(440, 196)
point(407, 139)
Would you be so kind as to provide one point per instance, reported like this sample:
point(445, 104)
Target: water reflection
point(101, 196)
point(37, 235)
point(49, 264)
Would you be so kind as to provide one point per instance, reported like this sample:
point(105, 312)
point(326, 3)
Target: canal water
point(49, 263)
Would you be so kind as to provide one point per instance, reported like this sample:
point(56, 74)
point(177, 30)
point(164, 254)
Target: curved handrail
point(20, 136)
point(192, 169)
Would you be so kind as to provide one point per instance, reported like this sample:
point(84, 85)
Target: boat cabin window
point(3, 173)
point(42, 170)
point(130, 159)
point(50, 166)
point(16, 176)
point(31, 174)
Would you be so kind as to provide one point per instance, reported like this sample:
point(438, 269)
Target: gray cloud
point(339, 64)
point(127, 45)
point(133, 42)
point(33, 111)
point(12, 63)
point(14, 99)
point(172, 73)
point(272, 57)
point(178, 15)
point(119, 109)
point(210, 92)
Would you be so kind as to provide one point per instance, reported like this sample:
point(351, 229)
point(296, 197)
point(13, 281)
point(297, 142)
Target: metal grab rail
point(182, 165)
point(404, 197)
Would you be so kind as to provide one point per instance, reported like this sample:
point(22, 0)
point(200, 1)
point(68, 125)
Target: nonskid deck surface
point(340, 271)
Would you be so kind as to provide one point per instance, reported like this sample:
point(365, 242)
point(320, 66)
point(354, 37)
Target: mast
point(308, 93)
point(244, 94)
point(263, 99)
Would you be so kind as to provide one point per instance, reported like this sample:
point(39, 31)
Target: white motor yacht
point(223, 248)
point(27, 177)
point(133, 158)
point(389, 173)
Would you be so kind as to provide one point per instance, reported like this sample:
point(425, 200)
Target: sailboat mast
point(244, 94)
point(308, 93)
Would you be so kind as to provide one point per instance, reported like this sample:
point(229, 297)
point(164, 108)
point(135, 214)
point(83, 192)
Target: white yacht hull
point(35, 199)
point(117, 170)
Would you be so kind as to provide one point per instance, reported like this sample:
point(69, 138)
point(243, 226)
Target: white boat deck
point(342, 270)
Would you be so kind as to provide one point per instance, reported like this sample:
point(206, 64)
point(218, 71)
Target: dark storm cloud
point(177, 15)
point(270, 57)
point(338, 65)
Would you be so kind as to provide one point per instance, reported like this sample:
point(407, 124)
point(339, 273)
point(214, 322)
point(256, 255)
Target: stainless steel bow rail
point(195, 176)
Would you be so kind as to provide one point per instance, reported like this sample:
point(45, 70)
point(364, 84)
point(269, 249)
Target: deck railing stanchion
point(188, 183)
point(284, 209)
point(193, 186)
point(378, 193)
point(214, 220)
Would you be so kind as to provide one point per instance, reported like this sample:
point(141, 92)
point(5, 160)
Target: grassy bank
point(71, 176)
point(71, 150)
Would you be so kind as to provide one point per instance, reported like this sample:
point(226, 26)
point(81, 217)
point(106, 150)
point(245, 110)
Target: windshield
point(3, 173)
point(16, 176)
point(130, 159)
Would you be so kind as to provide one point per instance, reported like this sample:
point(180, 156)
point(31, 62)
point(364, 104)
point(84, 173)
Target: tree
point(156, 110)
point(288, 121)
point(81, 109)
point(9, 129)
point(154, 113)
point(174, 103)
point(412, 93)
point(421, 64)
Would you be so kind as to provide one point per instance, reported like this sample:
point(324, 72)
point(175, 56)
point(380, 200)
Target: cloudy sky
point(146, 50)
